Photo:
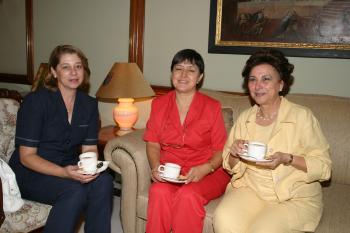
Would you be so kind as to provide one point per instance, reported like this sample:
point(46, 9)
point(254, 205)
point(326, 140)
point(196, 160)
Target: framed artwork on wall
point(303, 28)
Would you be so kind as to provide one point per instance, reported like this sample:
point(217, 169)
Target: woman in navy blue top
point(54, 124)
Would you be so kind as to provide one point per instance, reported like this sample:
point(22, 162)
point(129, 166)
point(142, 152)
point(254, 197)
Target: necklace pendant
point(260, 116)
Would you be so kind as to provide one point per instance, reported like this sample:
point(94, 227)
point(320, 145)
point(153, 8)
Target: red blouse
point(193, 143)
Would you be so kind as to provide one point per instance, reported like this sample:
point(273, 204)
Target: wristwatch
point(290, 161)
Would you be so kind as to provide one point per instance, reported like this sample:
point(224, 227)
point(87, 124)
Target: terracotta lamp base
point(125, 114)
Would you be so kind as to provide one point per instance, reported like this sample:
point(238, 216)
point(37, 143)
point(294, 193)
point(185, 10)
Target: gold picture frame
point(298, 28)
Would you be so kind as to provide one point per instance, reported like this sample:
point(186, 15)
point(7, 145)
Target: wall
point(13, 41)
point(13, 37)
point(174, 25)
point(101, 30)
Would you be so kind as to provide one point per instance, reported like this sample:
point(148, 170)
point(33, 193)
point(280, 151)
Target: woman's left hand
point(276, 159)
point(73, 173)
point(197, 173)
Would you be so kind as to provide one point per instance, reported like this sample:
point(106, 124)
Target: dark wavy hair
point(193, 57)
point(50, 81)
point(274, 58)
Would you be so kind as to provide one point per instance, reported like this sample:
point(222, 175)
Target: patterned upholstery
point(8, 113)
point(32, 215)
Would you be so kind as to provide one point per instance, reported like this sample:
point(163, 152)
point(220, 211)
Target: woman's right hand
point(71, 172)
point(238, 148)
point(235, 150)
point(155, 175)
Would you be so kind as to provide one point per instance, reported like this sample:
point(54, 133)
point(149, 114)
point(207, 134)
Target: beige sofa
point(128, 156)
point(32, 216)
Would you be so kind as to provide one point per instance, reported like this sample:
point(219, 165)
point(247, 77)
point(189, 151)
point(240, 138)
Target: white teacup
point(170, 170)
point(88, 162)
point(256, 150)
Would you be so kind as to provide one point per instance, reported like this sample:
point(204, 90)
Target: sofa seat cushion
point(336, 213)
point(8, 116)
point(31, 216)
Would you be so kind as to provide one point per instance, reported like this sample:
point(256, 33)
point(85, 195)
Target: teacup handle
point(80, 165)
point(161, 168)
point(245, 151)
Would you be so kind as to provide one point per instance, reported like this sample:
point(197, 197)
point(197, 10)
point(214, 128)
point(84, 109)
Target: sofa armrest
point(2, 214)
point(127, 156)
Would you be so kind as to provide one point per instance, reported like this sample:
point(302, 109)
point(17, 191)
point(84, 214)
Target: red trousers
point(180, 207)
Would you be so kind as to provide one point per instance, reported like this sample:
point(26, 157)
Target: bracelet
point(212, 169)
point(290, 161)
point(155, 169)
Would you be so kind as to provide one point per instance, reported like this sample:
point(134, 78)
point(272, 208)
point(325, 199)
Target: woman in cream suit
point(283, 194)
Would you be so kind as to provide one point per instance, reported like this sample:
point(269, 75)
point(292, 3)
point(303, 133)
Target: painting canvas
point(317, 28)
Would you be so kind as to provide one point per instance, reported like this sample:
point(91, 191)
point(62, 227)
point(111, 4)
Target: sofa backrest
point(332, 112)
point(8, 117)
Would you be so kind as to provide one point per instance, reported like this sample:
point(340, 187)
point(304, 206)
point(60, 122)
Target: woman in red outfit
point(185, 127)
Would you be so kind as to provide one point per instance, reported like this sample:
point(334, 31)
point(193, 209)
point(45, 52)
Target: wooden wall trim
point(24, 78)
point(161, 90)
point(136, 31)
point(136, 41)
point(29, 41)
point(13, 78)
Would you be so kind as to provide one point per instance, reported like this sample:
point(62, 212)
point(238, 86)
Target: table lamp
point(124, 82)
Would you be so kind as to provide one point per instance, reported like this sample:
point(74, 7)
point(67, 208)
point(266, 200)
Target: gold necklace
point(260, 115)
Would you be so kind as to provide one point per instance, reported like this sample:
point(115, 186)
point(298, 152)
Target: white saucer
point(252, 159)
point(101, 169)
point(172, 180)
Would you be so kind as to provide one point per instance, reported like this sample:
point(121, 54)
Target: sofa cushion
point(333, 114)
point(227, 114)
point(31, 216)
point(8, 116)
point(336, 210)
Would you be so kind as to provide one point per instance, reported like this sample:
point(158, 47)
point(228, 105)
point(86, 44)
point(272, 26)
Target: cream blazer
point(297, 132)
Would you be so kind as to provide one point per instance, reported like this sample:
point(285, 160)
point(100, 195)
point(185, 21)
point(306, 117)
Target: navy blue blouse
point(42, 122)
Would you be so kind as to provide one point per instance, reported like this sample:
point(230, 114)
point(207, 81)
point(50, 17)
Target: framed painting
point(303, 28)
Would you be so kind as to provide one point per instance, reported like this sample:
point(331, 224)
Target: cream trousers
point(242, 211)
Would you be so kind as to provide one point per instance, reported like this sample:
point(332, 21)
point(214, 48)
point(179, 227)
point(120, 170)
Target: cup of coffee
point(88, 162)
point(256, 150)
point(170, 170)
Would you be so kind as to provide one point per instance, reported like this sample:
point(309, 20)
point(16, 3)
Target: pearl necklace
point(261, 116)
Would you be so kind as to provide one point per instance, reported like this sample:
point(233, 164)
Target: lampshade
point(124, 82)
